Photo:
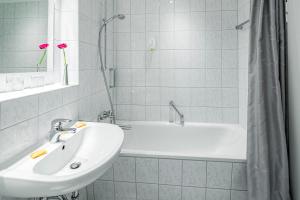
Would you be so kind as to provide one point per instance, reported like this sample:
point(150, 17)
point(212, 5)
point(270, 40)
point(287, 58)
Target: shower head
point(119, 16)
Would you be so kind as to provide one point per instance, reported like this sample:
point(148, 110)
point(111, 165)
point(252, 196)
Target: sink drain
point(75, 165)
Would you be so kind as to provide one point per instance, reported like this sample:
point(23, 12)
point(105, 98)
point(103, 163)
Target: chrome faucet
point(57, 128)
point(106, 114)
point(172, 108)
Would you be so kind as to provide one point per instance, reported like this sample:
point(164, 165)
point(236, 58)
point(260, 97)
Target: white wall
point(294, 93)
point(194, 62)
point(26, 121)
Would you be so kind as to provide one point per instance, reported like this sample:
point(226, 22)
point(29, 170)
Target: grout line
point(231, 179)
point(135, 183)
point(181, 186)
point(206, 180)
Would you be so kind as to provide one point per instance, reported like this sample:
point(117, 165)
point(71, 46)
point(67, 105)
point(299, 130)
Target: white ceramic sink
point(94, 146)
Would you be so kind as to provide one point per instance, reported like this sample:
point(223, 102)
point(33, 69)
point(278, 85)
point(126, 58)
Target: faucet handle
point(57, 123)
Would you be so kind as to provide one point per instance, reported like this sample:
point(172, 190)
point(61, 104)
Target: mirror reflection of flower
point(63, 46)
point(43, 47)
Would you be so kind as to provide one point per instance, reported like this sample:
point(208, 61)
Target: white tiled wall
point(243, 38)
point(181, 50)
point(26, 121)
point(135, 178)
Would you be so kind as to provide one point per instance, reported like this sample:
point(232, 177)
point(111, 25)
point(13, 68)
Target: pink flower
point(44, 46)
point(62, 46)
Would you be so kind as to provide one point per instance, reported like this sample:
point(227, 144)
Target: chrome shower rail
point(241, 25)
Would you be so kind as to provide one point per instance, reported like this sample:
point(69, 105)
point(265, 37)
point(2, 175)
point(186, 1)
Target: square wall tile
point(167, 40)
point(147, 191)
point(194, 173)
point(50, 101)
point(138, 113)
point(166, 6)
point(125, 191)
point(193, 193)
point(90, 192)
point(238, 195)
point(152, 77)
point(219, 175)
point(83, 194)
point(213, 115)
point(230, 115)
point(229, 4)
point(229, 58)
point(153, 113)
point(153, 96)
point(104, 190)
point(123, 6)
point(213, 20)
point(217, 194)
point(152, 22)
point(138, 77)
point(124, 169)
point(229, 19)
point(138, 6)
point(18, 110)
point(230, 97)
point(197, 5)
point(239, 176)
point(124, 95)
point(229, 39)
point(147, 170)
point(212, 5)
point(18, 138)
point(138, 96)
point(213, 58)
point(138, 23)
point(230, 78)
point(152, 6)
point(213, 97)
point(168, 192)
point(108, 175)
point(182, 6)
point(170, 171)
point(214, 40)
point(138, 41)
point(213, 77)
point(122, 41)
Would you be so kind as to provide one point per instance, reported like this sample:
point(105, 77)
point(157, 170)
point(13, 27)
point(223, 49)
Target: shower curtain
point(267, 155)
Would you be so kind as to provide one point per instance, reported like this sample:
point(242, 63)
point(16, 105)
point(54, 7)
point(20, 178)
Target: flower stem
point(42, 58)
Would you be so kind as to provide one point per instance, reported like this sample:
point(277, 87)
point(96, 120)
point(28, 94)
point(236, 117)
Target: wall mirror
point(26, 30)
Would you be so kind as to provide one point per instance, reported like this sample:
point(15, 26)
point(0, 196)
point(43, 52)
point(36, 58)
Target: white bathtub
point(197, 141)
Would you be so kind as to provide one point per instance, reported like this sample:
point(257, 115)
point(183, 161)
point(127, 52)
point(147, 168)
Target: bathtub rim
point(169, 155)
point(148, 154)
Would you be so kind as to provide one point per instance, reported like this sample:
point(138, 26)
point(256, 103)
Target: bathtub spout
point(171, 114)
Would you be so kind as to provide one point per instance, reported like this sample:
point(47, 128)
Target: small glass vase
point(66, 75)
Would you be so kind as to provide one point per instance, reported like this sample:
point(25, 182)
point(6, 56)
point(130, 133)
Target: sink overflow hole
point(63, 147)
point(75, 165)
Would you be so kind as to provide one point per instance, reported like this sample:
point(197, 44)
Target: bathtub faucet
point(171, 114)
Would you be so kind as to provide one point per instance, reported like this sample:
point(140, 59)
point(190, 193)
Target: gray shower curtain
point(267, 156)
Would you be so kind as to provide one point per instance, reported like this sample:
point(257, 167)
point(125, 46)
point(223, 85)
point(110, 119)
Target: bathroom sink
point(67, 166)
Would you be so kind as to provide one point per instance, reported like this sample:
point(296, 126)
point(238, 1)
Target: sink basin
point(94, 147)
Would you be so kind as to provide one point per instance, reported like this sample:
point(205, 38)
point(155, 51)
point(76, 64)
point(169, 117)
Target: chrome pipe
point(172, 106)
point(241, 25)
